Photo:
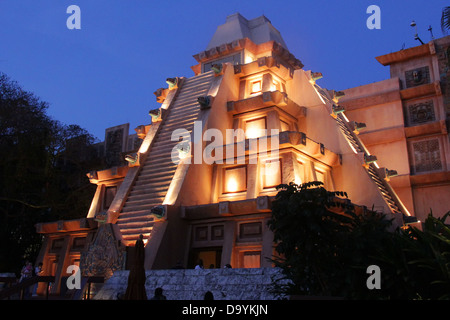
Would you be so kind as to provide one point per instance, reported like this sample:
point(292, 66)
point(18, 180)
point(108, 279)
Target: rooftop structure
point(407, 120)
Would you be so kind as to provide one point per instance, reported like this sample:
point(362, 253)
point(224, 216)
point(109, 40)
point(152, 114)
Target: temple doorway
point(211, 256)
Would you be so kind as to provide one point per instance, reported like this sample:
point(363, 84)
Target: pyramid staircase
point(156, 173)
point(378, 175)
point(387, 193)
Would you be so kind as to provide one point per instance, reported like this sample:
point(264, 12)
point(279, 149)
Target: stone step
point(142, 202)
point(193, 88)
point(162, 153)
point(155, 196)
point(161, 179)
point(150, 185)
point(134, 219)
point(186, 108)
point(183, 123)
point(158, 166)
point(142, 214)
point(155, 174)
point(130, 239)
point(167, 135)
point(130, 228)
point(141, 208)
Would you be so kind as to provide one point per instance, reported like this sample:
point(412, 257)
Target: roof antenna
point(431, 31)
point(416, 36)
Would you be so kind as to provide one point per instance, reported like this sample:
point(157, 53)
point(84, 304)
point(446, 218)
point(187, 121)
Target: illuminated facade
point(195, 196)
point(407, 120)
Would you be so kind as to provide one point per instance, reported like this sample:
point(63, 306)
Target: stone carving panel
point(422, 112)
point(417, 77)
point(427, 156)
point(104, 254)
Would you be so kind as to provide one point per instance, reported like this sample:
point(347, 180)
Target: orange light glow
point(232, 185)
point(272, 173)
point(235, 179)
point(255, 128)
point(256, 87)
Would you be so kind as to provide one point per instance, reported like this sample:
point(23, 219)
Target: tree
point(324, 247)
point(445, 19)
point(40, 178)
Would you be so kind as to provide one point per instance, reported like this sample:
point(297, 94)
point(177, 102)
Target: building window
point(255, 87)
point(255, 128)
point(271, 173)
point(417, 77)
point(419, 113)
point(427, 156)
point(235, 179)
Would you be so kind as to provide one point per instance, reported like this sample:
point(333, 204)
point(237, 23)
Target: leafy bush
point(324, 247)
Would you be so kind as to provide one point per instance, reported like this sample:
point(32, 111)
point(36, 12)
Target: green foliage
point(317, 247)
point(420, 262)
point(42, 172)
point(324, 248)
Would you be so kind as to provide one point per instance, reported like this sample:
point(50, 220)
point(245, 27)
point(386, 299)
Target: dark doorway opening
point(209, 255)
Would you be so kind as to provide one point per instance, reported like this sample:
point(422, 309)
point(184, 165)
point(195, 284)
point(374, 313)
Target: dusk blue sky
point(105, 74)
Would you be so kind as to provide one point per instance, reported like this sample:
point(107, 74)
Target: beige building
point(406, 120)
point(202, 182)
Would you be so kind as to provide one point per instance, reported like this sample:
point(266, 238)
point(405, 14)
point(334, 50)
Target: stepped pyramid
point(156, 173)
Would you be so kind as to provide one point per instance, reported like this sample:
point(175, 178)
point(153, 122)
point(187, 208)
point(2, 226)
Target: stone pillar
point(228, 243)
point(62, 265)
point(267, 245)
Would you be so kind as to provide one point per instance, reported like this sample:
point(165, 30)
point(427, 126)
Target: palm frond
point(445, 20)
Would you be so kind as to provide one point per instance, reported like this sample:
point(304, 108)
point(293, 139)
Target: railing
point(85, 288)
point(21, 287)
point(76, 294)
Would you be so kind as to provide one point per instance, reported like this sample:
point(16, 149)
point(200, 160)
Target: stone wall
point(191, 284)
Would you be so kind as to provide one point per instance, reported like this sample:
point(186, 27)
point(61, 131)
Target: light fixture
point(357, 126)
point(131, 158)
point(172, 82)
point(368, 159)
point(315, 76)
point(337, 95)
point(416, 36)
point(337, 109)
point(158, 211)
point(155, 114)
point(205, 102)
point(217, 68)
point(391, 173)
